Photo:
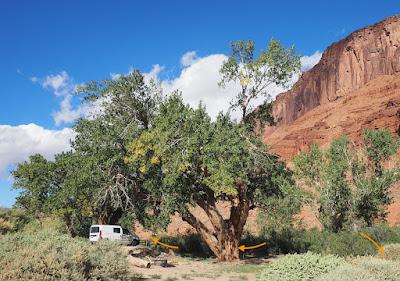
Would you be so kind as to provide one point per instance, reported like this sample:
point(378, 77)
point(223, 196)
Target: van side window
point(94, 229)
point(117, 230)
point(125, 231)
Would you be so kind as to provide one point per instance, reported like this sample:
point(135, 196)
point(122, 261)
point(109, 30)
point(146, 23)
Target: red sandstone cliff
point(345, 66)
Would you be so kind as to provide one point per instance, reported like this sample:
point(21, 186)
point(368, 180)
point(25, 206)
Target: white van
point(112, 232)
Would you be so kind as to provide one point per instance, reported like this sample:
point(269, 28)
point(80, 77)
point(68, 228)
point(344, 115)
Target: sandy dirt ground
point(196, 270)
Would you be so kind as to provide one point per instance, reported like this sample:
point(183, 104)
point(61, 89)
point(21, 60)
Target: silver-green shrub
point(392, 252)
point(47, 256)
point(365, 269)
point(300, 267)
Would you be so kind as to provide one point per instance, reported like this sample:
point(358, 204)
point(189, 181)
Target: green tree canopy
point(186, 160)
point(353, 184)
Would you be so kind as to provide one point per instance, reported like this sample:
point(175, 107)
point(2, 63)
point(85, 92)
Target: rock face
point(345, 66)
point(355, 86)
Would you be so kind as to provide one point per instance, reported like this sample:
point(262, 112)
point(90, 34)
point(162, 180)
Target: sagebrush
point(48, 256)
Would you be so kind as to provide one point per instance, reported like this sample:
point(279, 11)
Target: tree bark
point(224, 237)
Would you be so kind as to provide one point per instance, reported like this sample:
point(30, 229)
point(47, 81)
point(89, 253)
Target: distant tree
point(327, 170)
point(274, 66)
point(371, 179)
point(35, 178)
point(352, 184)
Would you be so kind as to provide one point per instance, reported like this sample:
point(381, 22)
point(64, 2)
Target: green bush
point(12, 220)
point(51, 224)
point(49, 256)
point(300, 267)
point(344, 243)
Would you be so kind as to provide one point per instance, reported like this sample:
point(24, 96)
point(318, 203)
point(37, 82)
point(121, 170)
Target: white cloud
point(307, 62)
point(60, 83)
point(18, 142)
point(189, 58)
point(63, 87)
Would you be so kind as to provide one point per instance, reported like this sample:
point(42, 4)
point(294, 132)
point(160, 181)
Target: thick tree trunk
point(224, 237)
point(69, 224)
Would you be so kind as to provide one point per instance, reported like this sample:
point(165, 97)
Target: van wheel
point(135, 242)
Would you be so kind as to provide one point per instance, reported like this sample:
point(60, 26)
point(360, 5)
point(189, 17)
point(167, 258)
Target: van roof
point(113, 225)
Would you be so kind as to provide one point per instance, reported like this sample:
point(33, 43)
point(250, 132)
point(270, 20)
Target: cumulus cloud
point(18, 142)
point(308, 62)
point(63, 87)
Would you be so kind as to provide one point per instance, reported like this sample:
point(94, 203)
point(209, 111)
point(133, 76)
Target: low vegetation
point(310, 266)
point(299, 267)
point(52, 256)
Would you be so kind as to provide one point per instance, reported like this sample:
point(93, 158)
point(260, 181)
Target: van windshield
point(94, 229)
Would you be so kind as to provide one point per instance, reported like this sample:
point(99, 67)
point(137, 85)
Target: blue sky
point(47, 47)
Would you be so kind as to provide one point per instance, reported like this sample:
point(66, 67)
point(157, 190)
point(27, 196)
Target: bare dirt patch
point(205, 269)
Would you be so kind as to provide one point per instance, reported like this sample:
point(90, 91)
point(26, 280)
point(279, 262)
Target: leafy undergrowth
point(311, 266)
point(49, 256)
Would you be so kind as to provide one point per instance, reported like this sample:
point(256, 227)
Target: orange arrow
point(156, 241)
point(244, 248)
point(380, 249)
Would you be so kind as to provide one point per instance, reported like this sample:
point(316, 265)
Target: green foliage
point(343, 243)
point(34, 177)
point(300, 267)
point(276, 65)
point(12, 220)
point(45, 256)
point(51, 224)
point(379, 145)
point(353, 186)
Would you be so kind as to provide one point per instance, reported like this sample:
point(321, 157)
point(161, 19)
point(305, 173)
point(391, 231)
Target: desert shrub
point(286, 241)
point(51, 224)
point(341, 244)
point(364, 269)
point(392, 252)
point(300, 267)
point(12, 220)
point(49, 256)
point(344, 243)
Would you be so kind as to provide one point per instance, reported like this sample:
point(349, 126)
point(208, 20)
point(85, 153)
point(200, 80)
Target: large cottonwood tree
point(187, 160)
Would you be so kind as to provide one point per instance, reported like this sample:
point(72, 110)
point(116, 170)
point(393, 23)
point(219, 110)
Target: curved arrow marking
point(156, 241)
point(380, 249)
point(244, 248)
